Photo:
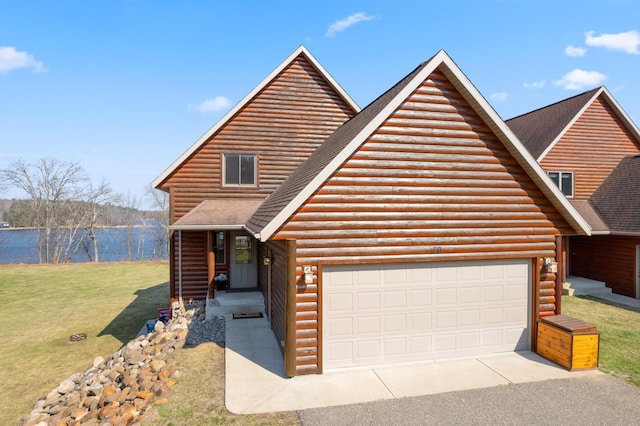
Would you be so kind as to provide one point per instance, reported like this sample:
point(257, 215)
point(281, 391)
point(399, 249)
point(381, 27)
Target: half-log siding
point(191, 247)
point(431, 184)
point(593, 257)
point(282, 125)
point(277, 251)
point(591, 148)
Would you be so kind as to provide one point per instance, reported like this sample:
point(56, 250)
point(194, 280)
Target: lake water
point(20, 246)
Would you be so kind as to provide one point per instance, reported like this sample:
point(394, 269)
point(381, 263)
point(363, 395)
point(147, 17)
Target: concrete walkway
point(255, 380)
point(585, 286)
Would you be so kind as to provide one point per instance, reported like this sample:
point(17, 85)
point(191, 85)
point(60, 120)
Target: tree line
point(66, 208)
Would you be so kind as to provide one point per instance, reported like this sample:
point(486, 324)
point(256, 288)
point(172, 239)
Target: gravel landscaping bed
point(202, 330)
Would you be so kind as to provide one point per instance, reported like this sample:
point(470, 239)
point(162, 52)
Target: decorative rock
point(66, 386)
point(119, 389)
point(98, 361)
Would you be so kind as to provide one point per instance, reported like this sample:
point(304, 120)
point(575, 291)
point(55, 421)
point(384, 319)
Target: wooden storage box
point(567, 341)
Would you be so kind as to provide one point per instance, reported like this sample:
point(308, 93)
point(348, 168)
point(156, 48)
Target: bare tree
point(65, 205)
point(160, 202)
point(49, 183)
point(131, 205)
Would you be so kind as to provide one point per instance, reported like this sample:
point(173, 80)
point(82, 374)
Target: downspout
point(270, 254)
point(180, 266)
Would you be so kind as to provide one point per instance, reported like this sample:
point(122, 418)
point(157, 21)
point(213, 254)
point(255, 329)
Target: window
point(239, 169)
point(564, 181)
point(218, 247)
point(243, 249)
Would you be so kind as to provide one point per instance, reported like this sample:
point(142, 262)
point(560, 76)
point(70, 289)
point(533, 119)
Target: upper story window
point(239, 169)
point(564, 181)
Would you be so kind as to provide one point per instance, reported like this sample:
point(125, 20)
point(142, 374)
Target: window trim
point(242, 185)
point(559, 185)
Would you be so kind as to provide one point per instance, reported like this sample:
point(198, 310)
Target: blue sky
point(124, 87)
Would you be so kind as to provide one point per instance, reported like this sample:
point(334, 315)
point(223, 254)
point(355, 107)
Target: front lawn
point(619, 334)
point(42, 306)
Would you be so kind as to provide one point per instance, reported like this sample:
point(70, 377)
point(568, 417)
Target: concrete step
point(234, 303)
point(584, 286)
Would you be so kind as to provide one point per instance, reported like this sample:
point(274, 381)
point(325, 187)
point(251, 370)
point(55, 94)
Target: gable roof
point(538, 129)
point(617, 200)
point(252, 94)
point(541, 129)
point(327, 159)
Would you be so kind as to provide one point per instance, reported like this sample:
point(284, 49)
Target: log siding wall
point(431, 184)
point(593, 257)
point(591, 148)
point(277, 250)
point(282, 125)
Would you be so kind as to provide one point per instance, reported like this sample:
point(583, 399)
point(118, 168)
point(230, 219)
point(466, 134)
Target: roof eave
point(205, 227)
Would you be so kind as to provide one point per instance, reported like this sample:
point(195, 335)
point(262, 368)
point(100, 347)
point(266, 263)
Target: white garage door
point(396, 313)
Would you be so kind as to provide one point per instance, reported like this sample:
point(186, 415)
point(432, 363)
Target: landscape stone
point(119, 389)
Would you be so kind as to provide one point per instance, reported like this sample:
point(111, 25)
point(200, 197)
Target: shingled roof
point(617, 200)
point(540, 128)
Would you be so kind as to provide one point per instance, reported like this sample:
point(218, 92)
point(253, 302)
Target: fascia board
point(237, 107)
point(622, 114)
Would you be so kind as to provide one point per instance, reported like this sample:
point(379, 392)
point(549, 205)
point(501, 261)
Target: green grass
point(43, 305)
point(619, 334)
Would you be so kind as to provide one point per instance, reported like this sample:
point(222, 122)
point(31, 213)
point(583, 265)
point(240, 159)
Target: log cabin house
point(421, 228)
point(590, 148)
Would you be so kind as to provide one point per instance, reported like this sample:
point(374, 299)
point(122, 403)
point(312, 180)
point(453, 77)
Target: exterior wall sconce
point(308, 275)
point(551, 265)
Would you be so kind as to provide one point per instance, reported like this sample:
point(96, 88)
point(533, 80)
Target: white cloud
point(575, 51)
point(579, 79)
point(345, 23)
point(500, 96)
point(627, 42)
point(11, 59)
point(535, 84)
point(212, 105)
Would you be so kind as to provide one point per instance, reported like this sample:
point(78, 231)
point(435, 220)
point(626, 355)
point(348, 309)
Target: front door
point(243, 261)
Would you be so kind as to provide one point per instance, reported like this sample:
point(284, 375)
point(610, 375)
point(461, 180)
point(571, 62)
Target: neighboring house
point(420, 229)
point(589, 146)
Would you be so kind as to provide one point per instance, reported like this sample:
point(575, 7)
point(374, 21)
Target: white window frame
point(240, 155)
point(560, 180)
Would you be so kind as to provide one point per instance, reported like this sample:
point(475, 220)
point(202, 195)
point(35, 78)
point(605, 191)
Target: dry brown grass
point(198, 397)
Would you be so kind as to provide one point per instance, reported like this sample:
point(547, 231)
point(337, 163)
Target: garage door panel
point(394, 299)
point(382, 314)
point(368, 300)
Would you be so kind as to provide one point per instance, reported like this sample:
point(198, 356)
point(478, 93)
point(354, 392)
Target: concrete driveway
point(255, 380)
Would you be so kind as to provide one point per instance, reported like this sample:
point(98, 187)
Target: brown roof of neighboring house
point(540, 128)
point(218, 214)
point(617, 200)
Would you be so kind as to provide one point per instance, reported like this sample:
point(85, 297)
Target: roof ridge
point(554, 104)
